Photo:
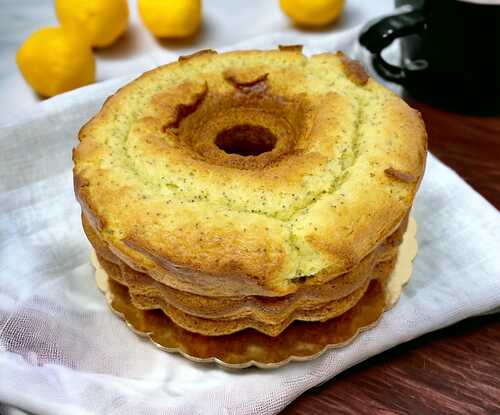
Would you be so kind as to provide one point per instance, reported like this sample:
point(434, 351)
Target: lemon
point(102, 20)
point(171, 18)
point(54, 60)
point(312, 13)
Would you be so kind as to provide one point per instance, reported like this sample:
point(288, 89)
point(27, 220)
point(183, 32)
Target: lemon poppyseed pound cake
point(249, 190)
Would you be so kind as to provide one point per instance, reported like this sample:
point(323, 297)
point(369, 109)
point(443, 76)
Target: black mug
point(450, 52)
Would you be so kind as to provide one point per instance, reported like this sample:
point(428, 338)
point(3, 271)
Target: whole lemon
point(171, 18)
point(55, 59)
point(312, 13)
point(102, 20)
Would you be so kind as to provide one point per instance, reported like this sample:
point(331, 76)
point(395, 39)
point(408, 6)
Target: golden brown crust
point(219, 316)
point(318, 203)
point(300, 341)
point(190, 290)
point(247, 83)
point(181, 110)
point(185, 58)
point(354, 69)
point(268, 311)
point(223, 326)
point(400, 175)
point(291, 48)
point(79, 185)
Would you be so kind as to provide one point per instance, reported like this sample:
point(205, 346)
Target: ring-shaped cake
point(249, 189)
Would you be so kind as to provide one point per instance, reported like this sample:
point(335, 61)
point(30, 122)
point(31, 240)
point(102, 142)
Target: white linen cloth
point(63, 352)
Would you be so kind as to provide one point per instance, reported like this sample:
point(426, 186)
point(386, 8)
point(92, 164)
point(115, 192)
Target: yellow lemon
point(54, 60)
point(312, 13)
point(103, 20)
point(171, 18)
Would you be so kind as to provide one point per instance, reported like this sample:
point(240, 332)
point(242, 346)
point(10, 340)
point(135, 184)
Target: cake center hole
point(246, 140)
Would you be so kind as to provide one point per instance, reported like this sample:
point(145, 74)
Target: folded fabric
point(62, 351)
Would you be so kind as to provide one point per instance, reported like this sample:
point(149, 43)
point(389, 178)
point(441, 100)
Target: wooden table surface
point(452, 371)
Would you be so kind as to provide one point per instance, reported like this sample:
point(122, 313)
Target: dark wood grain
point(469, 145)
point(451, 371)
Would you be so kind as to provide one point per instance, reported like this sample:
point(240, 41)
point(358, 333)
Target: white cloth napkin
point(63, 352)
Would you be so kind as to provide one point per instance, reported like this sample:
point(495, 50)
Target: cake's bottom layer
point(214, 316)
point(299, 341)
point(217, 327)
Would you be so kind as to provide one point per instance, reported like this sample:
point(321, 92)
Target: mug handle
point(381, 34)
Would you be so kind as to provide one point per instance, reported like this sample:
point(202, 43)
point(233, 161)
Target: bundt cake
point(249, 189)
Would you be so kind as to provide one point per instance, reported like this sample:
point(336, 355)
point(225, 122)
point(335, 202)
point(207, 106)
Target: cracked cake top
point(244, 171)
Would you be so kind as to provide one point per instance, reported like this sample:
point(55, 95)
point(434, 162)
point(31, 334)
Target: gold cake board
point(299, 342)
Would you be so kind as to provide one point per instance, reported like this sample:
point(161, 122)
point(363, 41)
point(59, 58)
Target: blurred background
point(225, 24)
